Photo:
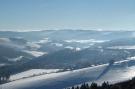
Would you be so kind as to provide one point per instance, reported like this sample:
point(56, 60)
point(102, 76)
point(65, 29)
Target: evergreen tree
point(73, 87)
point(105, 85)
point(93, 86)
point(77, 87)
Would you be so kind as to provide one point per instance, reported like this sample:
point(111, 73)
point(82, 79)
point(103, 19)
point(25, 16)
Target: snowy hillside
point(33, 72)
point(119, 71)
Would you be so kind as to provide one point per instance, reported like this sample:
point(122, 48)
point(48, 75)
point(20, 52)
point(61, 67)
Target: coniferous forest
point(130, 84)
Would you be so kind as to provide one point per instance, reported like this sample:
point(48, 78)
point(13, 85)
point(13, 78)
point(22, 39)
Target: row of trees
point(4, 74)
point(123, 85)
point(4, 77)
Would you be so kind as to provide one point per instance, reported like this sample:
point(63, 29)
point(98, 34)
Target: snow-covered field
point(33, 72)
point(116, 73)
point(56, 80)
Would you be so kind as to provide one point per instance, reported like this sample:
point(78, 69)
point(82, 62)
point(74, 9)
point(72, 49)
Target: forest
point(130, 84)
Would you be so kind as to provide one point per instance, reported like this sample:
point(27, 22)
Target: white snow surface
point(33, 72)
point(15, 59)
point(120, 71)
point(35, 53)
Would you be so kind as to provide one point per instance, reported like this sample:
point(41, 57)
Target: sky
point(67, 14)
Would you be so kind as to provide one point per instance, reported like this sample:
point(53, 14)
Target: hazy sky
point(64, 14)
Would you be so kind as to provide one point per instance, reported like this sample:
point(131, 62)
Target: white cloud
point(57, 44)
point(45, 40)
point(122, 47)
point(86, 41)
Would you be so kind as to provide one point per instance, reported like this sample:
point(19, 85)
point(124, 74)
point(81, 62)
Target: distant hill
point(68, 58)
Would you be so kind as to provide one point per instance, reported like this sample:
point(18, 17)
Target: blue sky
point(67, 14)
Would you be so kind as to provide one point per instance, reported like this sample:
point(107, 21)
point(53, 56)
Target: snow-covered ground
point(33, 72)
point(56, 80)
point(35, 53)
point(116, 73)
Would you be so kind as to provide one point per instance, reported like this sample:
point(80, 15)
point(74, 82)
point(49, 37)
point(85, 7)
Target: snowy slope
point(120, 71)
point(63, 79)
point(33, 72)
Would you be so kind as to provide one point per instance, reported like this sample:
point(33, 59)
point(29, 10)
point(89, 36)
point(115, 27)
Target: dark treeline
point(4, 74)
point(122, 85)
